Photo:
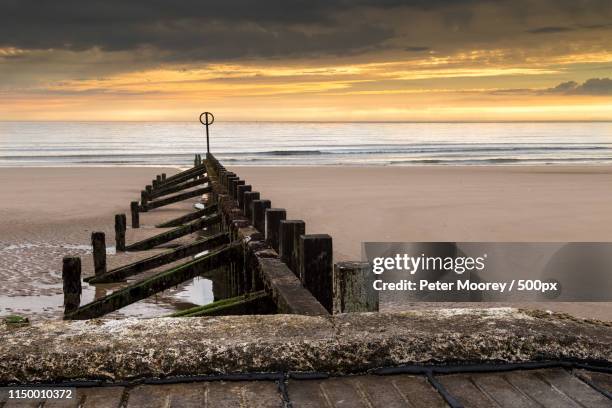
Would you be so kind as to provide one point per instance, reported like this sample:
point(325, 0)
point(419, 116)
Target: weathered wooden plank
point(575, 389)
point(211, 209)
point(465, 391)
point(286, 289)
point(175, 233)
point(530, 384)
point(168, 395)
point(365, 391)
point(183, 176)
point(307, 394)
point(119, 274)
point(13, 403)
point(176, 188)
point(502, 392)
point(176, 198)
point(101, 397)
point(244, 394)
point(414, 389)
point(157, 283)
point(602, 380)
point(340, 392)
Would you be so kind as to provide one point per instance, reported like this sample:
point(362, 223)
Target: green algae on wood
point(176, 198)
point(157, 283)
point(174, 188)
point(250, 303)
point(175, 233)
point(119, 274)
point(211, 209)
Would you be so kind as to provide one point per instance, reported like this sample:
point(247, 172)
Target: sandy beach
point(49, 212)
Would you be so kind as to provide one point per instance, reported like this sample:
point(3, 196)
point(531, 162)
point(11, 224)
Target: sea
point(305, 143)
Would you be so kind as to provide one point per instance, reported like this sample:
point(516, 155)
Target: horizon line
point(316, 121)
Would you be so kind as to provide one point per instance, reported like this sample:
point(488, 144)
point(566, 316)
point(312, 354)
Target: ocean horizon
point(41, 144)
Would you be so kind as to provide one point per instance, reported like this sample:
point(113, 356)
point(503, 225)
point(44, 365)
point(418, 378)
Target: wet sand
point(49, 213)
point(439, 203)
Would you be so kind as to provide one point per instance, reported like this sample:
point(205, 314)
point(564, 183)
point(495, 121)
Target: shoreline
point(58, 206)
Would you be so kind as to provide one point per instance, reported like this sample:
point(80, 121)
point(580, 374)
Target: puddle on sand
point(197, 291)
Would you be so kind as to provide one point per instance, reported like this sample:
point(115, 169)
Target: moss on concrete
point(349, 343)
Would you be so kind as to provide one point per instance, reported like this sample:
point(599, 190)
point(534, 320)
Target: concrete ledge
point(128, 349)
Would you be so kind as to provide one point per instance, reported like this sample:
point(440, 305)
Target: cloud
point(209, 30)
point(549, 30)
point(593, 86)
point(417, 49)
point(221, 29)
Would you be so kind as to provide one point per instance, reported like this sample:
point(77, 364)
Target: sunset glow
point(489, 64)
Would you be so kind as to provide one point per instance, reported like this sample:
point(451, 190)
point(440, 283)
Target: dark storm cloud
point(193, 29)
point(186, 30)
point(549, 30)
point(593, 86)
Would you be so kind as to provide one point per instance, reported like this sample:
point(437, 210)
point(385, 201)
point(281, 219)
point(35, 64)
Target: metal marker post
point(206, 119)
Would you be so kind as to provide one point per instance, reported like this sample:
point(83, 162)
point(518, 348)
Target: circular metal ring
point(206, 121)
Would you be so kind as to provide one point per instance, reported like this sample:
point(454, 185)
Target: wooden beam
point(176, 188)
point(175, 233)
point(250, 303)
point(181, 177)
point(182, 220)
point(119, 274)
point(157, 283)
point(176, 198)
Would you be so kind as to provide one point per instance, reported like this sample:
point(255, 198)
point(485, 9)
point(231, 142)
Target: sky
point(298, 60)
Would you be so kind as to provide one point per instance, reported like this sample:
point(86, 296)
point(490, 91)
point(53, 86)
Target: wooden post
point(149, 189)
point(135, 217)
point(163, 176)
point(71, 276)
point(154, 183)
point(230, 184)
point(316, 267)
point(144, 198)
point(120, 227)
point(234, 192)
point(353, 288)
point(249, 197)
point(158, 178)
point(274, 216)
point(288, 240)
point(241, 190)
point(98, 243)
point(258, 218)
point(226, 178)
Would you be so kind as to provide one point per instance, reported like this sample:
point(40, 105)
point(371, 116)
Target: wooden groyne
point(266, 262)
